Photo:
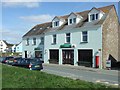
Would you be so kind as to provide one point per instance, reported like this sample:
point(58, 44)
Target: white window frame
point(54, 38)
point(82, 36)
point(72, 21)
point(56, 23)
point(34, 41)
point(27, 41)
point(41, 40)
point(95, 18)
point(67, 37)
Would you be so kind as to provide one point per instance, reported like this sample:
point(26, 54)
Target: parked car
point(7, 59)
point(1, 59)
point(32, 64)
point(35, 64)
point(39, 59)
point(16, 61)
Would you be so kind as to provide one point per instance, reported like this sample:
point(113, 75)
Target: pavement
point(109, 77)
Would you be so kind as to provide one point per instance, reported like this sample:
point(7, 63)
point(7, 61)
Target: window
point(84, 36)
point(70, 21)
point(54, 39)
point(97, 16)
point(34, 41)
point(73, 20)
point(94, 17)
point(67, 37)
point(42, 40)
point(56, 23)
point(27, 42)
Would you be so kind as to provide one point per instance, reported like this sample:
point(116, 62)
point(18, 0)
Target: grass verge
point(16, 77)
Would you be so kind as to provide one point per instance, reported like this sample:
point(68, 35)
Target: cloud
point(11, 37)
point(21, 3)
point(38, 18)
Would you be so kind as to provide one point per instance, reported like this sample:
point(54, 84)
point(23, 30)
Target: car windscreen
point(35, 61)
point(9, 58)
point(17, 58)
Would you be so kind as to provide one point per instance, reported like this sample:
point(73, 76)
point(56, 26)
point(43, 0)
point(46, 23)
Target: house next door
point(68, 56)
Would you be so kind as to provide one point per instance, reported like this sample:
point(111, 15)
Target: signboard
point(37, 49)
point(108, 63)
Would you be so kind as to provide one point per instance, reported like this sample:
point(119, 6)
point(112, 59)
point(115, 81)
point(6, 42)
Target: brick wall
point(110, 37)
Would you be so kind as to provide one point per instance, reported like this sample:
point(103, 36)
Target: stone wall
point(110, 37)
point(119, 44)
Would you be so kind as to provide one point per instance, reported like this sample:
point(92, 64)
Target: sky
point(17, 18)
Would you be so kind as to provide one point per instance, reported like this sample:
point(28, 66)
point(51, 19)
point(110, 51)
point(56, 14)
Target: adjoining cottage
point(87, 38)
point(5, 46)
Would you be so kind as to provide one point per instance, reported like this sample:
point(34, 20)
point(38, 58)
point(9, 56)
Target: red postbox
point(97, 61)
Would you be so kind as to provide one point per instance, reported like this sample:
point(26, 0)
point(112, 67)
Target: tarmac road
point(84, 73)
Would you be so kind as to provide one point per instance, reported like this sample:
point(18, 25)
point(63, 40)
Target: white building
point(87, 38)
point(19, 48)
point(4, 46)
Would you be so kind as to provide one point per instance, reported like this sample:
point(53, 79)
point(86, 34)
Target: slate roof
point(45, 27)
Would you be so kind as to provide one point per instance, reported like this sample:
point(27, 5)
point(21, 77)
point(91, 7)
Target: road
point(91, 75)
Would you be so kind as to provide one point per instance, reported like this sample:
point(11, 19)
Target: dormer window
point(93, 17)
point(97, 16)
point(72, 20)
point(56, 23)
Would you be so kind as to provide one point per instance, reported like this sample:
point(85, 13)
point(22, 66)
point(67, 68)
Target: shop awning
point(37, 49)
point(66, 45)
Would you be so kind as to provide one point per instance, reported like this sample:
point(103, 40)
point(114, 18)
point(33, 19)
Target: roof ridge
point(84, 14)
point(86, 10)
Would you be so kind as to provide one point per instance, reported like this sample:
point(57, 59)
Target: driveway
point(83, 73)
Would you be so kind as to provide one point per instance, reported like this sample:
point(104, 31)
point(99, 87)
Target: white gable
point(95, 11)
point(72, 15)
point(55, 19)
point(61, 21)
